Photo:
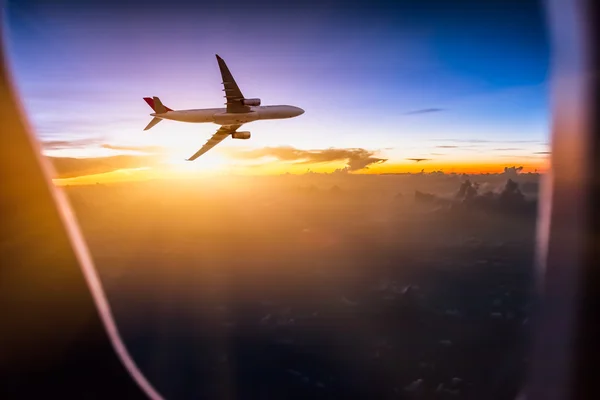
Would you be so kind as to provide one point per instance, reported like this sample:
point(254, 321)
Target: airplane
point(239, 110)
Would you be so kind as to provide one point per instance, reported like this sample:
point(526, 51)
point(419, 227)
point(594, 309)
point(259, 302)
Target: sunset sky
point(463, 84)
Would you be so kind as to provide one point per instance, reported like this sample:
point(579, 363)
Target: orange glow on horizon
point(215, 167)
point(480, 167)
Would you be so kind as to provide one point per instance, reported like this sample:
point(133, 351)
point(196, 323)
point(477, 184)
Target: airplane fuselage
point(240, 110)
point(220, 116)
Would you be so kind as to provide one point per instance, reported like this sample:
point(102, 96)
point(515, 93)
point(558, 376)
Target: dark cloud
point(446, 147)
point(508, 199)
point(356, 158)
point(424, 111)
point(66, 167)
point(418, 159)
point(543, 152)
point(512, 171)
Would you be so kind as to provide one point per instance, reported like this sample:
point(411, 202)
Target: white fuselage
point(220, 116)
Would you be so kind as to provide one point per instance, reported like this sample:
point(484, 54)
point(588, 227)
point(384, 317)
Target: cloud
point(485, 141)
point(76, 122)
point(418, 159)
point(509, 198)
point(98, 141)
point(543, 152)
point(42, 90)
point(447, 147)
point(356, 158)
point(66, 167)
point(69, 144)
point(52, 125)
point(512, 171)
point(142, 149)
point(424, 111)
point(513, 156)
point(508, 149)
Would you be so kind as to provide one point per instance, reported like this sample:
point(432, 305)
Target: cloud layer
point(141, 149)
point(66, 167)
point(70, 167)
point(71, 144)
point(356, 159)
point(485, 141)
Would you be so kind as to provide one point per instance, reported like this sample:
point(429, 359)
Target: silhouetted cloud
point(418, 159)
point(512, 171)
point(424, 111)
point(471, 195)
point(356, 158)
point(67, 167)
point(543, 152)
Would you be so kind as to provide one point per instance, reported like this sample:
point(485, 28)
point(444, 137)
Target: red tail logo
point(150, 102)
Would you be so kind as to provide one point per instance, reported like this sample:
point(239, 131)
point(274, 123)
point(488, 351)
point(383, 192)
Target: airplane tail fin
point(155, 103)
point(152, 123)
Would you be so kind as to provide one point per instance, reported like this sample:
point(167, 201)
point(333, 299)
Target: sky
point(461, 84)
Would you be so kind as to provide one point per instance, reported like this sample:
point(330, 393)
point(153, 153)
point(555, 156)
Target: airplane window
point(303, 200)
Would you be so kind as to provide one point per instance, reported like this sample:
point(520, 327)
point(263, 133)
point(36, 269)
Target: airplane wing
point(217, 138)
point(233, 94)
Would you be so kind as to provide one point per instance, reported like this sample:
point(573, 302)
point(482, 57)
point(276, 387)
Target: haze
point(320, 286)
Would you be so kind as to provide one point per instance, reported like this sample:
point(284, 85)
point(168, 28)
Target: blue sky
point(358, 70)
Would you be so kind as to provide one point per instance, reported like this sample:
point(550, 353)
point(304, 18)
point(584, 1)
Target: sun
point(180, 142)
point(209, 162)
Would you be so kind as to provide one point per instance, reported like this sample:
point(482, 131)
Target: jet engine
point(251, 102)
point(241, 135)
